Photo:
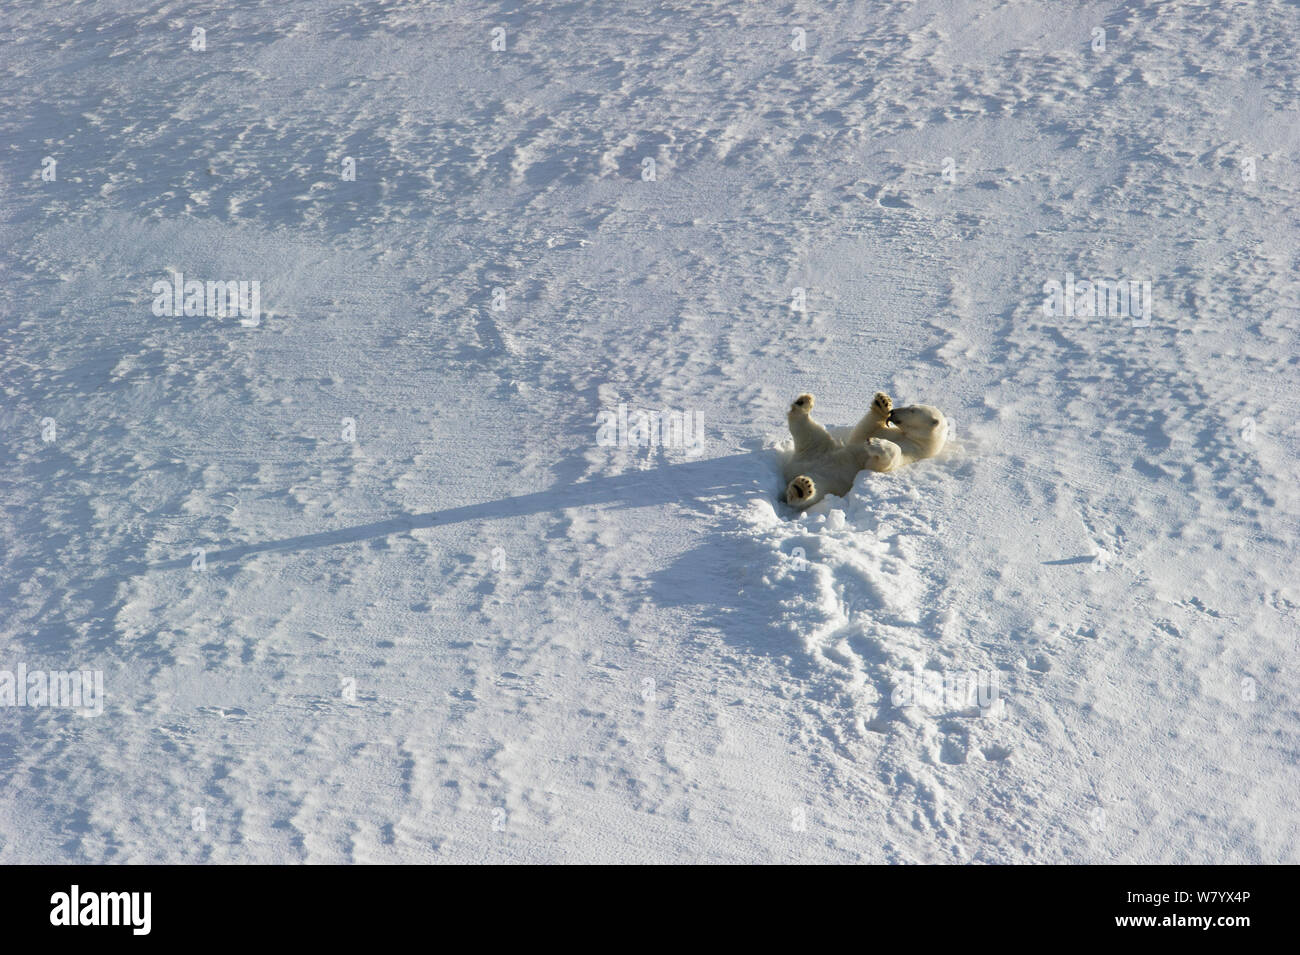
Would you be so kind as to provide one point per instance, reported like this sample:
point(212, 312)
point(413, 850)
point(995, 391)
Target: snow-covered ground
point(438, 617)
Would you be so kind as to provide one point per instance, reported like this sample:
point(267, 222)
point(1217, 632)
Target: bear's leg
point(877, 454)
point(875, 420)
point(800, 491)
point(808, 434)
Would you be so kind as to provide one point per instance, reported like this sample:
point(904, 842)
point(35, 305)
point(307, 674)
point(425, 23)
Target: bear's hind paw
point(800, 489)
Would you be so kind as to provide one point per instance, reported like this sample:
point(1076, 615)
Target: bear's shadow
point(704, 579)
point(713, 480)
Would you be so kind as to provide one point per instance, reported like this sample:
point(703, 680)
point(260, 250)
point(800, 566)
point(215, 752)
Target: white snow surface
point(476, 633)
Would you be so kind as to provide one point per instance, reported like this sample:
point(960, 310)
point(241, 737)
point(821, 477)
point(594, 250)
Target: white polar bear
point(886, 438)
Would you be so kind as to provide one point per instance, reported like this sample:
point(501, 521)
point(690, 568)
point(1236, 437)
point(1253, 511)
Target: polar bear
point(885, 439)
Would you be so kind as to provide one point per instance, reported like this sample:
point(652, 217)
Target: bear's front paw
point(883, 404)
point(803, 403)
point(800, 489)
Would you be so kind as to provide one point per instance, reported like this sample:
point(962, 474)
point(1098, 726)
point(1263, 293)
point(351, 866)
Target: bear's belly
point(832, 473)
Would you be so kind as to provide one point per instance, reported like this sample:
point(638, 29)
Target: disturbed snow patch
point(856, 584)
point(862, 592)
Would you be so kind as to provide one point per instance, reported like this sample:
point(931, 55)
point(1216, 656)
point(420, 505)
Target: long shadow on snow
point(686, 483)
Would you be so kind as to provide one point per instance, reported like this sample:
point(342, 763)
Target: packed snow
point(385, 566)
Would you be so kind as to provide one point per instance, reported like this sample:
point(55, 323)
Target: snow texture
point(445, 612)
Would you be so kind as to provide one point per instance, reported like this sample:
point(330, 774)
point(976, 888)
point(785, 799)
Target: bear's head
point(922, 423)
